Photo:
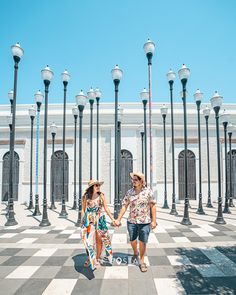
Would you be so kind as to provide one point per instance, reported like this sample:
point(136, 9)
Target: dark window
point(126, 168)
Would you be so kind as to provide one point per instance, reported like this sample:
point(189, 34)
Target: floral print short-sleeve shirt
point(139, 205)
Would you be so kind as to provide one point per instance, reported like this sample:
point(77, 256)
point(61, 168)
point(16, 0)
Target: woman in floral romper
point(95, 234)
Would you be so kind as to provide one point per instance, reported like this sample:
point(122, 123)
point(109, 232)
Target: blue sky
point(89, 37)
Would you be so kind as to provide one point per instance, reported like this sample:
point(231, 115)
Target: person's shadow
point(79, 261)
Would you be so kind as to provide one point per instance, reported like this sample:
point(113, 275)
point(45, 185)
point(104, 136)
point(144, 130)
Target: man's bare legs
point(142, 249)
point(134, 245)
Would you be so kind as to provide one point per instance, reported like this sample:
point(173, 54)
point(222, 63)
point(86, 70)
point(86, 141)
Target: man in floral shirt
point(142, 216)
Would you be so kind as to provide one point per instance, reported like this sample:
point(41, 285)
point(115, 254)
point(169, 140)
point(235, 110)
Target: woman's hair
point(89, 194)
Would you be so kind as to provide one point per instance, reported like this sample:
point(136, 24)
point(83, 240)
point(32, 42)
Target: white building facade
point(130, 146)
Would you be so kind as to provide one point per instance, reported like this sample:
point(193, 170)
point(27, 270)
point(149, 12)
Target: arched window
point(126, 168)
point(233, 169)
point(5, 176)
point(57, 175)
point(191, 178)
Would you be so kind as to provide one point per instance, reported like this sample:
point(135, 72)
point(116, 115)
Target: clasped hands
point(116, 222)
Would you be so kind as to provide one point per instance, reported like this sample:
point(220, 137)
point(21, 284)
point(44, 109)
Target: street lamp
point(47, 76)
point(171, 77)
point(120, 116)
point(9, 120)
point(164, 111)
point(32, 114)
point(144, 95)
point(17, 53)
point(230, 132)
point(53, 129)
point(224, 120)
point(184, 73)
point(98, 96)
point(116, 74)
point(216, 102)
point(38, 99)
point(81, 102)
point(206, 113)
point(65, 79)
point(75, 113)
point(198, 99)
point(10, 96)
point(149, 48)
point(91, 97)
point(141, 130)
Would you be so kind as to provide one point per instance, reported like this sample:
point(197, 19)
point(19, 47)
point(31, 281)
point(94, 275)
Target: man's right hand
point(117, 222)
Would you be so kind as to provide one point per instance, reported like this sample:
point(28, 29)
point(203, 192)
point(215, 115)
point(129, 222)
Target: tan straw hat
point(93, 182)
point(139, 174)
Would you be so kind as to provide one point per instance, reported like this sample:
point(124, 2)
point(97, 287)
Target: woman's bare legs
point(98, 245)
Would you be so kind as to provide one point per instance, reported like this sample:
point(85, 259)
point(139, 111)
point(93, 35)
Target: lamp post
point(198, 99)
point(75, 113)
point(47, 76)
point(141, 129)
point(17, 53)
point(116, 77)
point(224, 120)
point(230, 132)
point(10, 96)
point(216, 102)
point(81, 102)
point(206, 113)
point(120, 116)
point(144, 95)
point(91, 97)
point(184, 73)
point(149, 48)
point(171, 77)
point(164, 111)
point(38, 99)
point(9, 120)
point(65, 79)
point(32, 114)
point(98, 96)
point(53, 129)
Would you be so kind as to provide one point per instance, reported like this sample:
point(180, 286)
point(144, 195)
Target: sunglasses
point(97, 185)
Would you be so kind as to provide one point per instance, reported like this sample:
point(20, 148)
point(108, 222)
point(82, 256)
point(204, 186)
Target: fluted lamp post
point(75, 113)
point(231, 129)
point(65, 79)
point(38, 99)
point(91, 97)
point(32, 113)
point(206, 113)
point(53, 130)
point(141, 130)
point(116, 74)
point(198, 95)
point(17, 53)
point(120, 117)
point(164, 111)
point(9, 121)
point(10, 96)
point(81, 102)
point(224, 118)
point(144, 95)
point(216, 102)
point(149, 48)
point(184, 73)
point(98, 94)
point(47, 76)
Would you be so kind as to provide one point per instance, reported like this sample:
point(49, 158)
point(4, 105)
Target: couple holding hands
point(142, 218)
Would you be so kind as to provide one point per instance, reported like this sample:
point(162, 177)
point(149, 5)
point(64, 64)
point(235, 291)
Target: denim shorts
point(140, 231)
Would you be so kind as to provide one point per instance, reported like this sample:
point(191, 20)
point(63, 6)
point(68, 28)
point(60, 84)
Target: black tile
point(195, 256)
point(15, 261)
point(222, 285)
point(33, 286)
point(10, 251)
point(158, 260)
point(195, 239)
point(55, 261)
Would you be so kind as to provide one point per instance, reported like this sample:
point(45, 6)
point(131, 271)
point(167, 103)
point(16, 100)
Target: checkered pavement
point(36, 260)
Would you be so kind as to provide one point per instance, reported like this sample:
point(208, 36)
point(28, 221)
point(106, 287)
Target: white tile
point(36, 231)
point(23, 272)
point(209, 270)
point(159, 230)
point(27, 240)
point(116, 272)
point(8, 235)
point(75, 236)
point(67, 231)
point(208, 228)
point(119, 239)
point(179, 260)
point(45, 252)
point(60, 286)
point(201, 232)
point(146, 261)
point(181, 239)
point(170, 286)
point(59, 228)
point(12, 227)
point(152, 239)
